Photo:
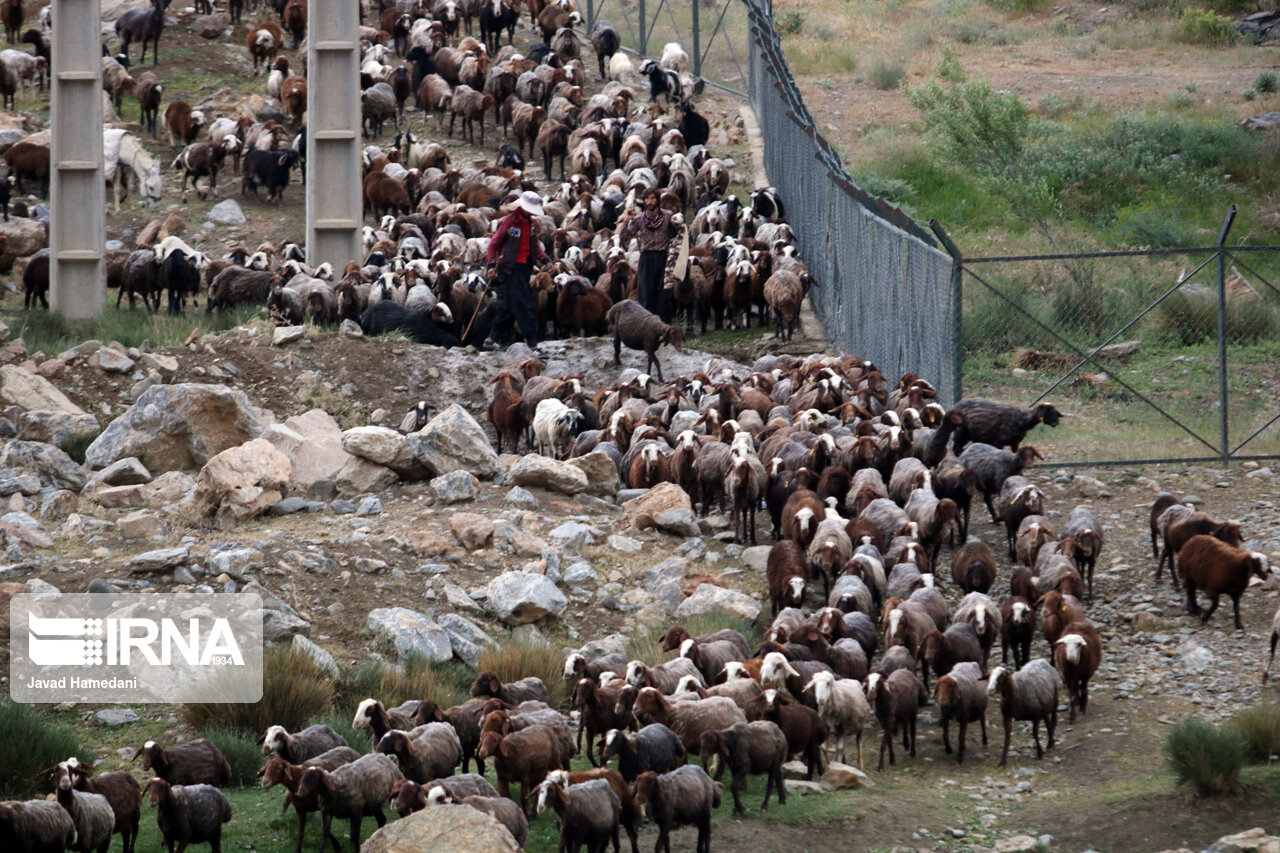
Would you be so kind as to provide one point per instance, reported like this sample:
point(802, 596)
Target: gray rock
point(581, 575)
point(177, 428)
point(571, 530)
point(520, 597)
point(443, 829)
point(663, 580)
point(101, 586)
point(625, 544)
point(545, 473)
point(160, 560)
point(114, 361)
point(1195, 655)
point(756, 557)
point(116, 716)
point(455, 486)
point(124, 472)
point(278, 625)
point(709, 598)
point(227, 212)
point(63, 429)
point(369, 506)
point(625, 495)
point(15, 483)
point(288, 506)
point(410, 632)
point(453, 441)
point(467, 637)
point(287, 334)
point(322, 658)
point(522, 498)
point(350, 329)
point(235, 561)
point(182, 575)
point(342, 506)
point(34, 393)
point(54, 468)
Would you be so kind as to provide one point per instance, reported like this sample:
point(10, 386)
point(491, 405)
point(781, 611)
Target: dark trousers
point(649, 278)
point(515, 302)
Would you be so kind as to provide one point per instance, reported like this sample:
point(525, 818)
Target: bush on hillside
point(1205, 756)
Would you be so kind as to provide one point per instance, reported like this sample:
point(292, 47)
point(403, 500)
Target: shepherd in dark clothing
point(653, 229)
point(514, 248)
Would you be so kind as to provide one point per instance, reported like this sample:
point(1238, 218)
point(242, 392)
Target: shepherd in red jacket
point(515, 248)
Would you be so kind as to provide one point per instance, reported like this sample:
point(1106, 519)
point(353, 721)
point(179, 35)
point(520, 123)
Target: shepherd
point(653, 229)
point(514, 249)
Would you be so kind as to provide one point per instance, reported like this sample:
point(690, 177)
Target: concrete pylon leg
point(77, 197)
point(333, 133)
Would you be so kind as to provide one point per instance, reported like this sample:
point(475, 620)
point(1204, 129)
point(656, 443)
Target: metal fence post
point(591, 14)
point(957, 308)
point(77, 196)
point(644, 35)
point(1224, 419)
point(697, 41)
point(334, 209)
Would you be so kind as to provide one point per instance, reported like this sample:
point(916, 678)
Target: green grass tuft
point(28, 744)
point(1205, 756)
point(294, 690)
point(1259, 727)
point(242, 751)
point(52, 333)
point(1199, 26)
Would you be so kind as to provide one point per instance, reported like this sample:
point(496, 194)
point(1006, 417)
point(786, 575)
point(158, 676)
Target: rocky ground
point(233, 464)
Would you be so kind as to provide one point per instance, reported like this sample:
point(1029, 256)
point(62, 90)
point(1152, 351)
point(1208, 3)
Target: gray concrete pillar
point(77, 197)
point(333, 134)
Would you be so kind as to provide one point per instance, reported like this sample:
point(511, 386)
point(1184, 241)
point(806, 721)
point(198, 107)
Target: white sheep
point(843, 706)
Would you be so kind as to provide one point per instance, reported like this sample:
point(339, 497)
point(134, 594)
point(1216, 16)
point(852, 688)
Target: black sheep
point(387, 316)
point(606, 42)
point(993, 466)
point(694, 127)
point(999, 424)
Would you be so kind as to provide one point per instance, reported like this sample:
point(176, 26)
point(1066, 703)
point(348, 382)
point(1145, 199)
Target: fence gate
point(1154, 355)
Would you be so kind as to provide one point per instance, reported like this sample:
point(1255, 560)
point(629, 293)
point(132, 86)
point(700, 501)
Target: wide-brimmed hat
point(530, 202)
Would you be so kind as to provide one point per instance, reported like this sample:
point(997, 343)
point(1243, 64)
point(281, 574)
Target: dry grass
point(513, 660)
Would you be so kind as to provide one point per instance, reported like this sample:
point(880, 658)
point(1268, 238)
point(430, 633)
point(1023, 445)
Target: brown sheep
point(31, 161)
point(1077, 655)
point(552, 142)
point(183, 123)
point(526, 121)
point(435, 95)
point(1056, 612)
point(1217, 568)
point(471, 105)
point(510, 415)
point(784, 294)
point(293, 92)
point(264, 42)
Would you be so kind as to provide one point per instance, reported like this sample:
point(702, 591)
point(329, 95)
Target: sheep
point(1179, 527)
point(1033, 532)
point(1057, 611)
point(999, 424)
point(597, 714)
point(993, 466)
point(145, 25)
point(278, 771)
point(554, 424)
point(91, 814)
point(1018, 499)
point(530, 689)
point(801, 515)
point(35, 826)
point(850, 594)
point(297, 748)
point(35, 280)
point(963, 698)
point(372, 717)
point(1057, 573)
point(148, 92)
point(263, 43)
point(1017, 629)
point(462, 785)
point(524, 757)
point(1163, 501)
point(749, 748)
point(293, 94)
point(742, 690)
point(935, 518)
point(503, 811)
point(803, 727)
point(683, 797)
point(884, 515)
point(587, 813)
point(116, 81)
point(294, 19)
point(30, 161)
point(26, 69)
point(424, 753)
point(580, 307)
point(665, 676)
point(576, 666)
point(192, 763)
point(11, 14)
point(941, 650)
point(1216, 568)
point(662, 82)
point(687, 719)
point(499, 717)
point(1082, 541)
point(606, 42)
point(1030, 694)
point(1275, 637)
point(641, 330)
point(843, 707)
point(785, 573)
point(973, 567)
point(953, 479)
point(654, 748)
point(182, 122)
point(978, 610)
point(123, 795)
point(189, 814)
point(552, 141)
point(784, 292)
point(907, 624)
point(897, 698)
point(1077, 654)
point(511, 417)
point(353, 791)
point(386, 316)
point(710, 657)
point(829, 550)
point(675, 636)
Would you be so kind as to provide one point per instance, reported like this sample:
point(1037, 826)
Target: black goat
point(999, 424)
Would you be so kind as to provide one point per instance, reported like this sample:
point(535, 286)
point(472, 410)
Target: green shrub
point(886, 73)
point(789, 23)
point(294, 690)
point(1192, 318)
point(1018, 5)
point(513, 660)
point(1199, 26)
point(29, 743)
point(1181, 99)
point(1259, 727)
point(242, 751)
point(1086, 307)
point(1265, 82)
point(1205, 756)
point(1232, 7)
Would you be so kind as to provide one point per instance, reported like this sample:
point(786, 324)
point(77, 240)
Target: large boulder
point(26, 236)
point(520, 597)
point(443, 829)
point(211, 26)
point(453, 441)
point(54, 468)
point(313, 443)
point(242, 482)
point(665, 507)
point(19, 387)
point(602, 475)
point(362, 477)
point(384, 446)
point(410, 632)
point(63, 429)
point(178, 427)
point(546, 473)
point(709, 598)
point(473, 531)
